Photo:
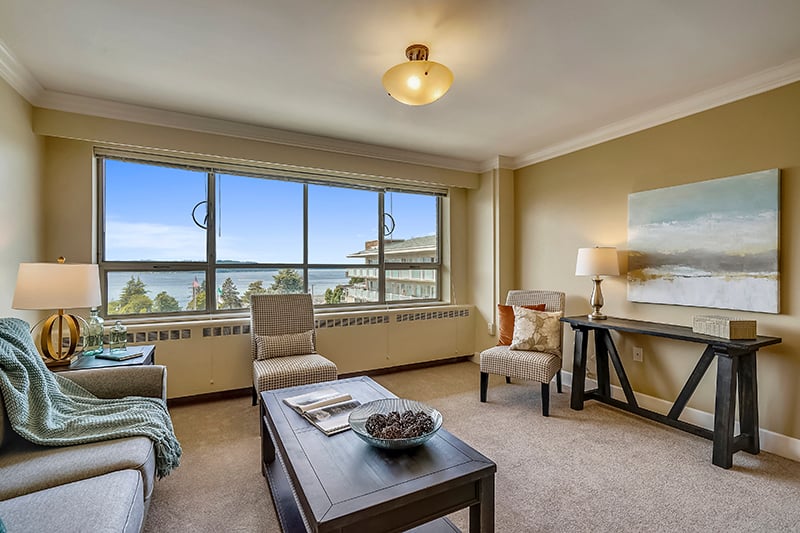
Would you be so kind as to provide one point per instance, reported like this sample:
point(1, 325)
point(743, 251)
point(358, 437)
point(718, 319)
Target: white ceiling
point(533, 78)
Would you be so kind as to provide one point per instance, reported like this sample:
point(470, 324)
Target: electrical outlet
point(638, 354)
point(490, 328)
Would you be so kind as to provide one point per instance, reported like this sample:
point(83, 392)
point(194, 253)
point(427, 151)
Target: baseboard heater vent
point(432, 315)
point(328, 323)
point(351, 321)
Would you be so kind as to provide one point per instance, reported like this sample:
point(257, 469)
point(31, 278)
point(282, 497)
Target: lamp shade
point(56, 286)
point(597, 261)
point(418, 81)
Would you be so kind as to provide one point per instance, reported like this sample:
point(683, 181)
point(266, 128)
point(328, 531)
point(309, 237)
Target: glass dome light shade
point(418, 81)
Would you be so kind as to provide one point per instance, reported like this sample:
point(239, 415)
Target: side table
point(86, 362)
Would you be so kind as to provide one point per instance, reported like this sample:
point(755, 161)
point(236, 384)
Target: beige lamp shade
point(597, 261)
point(57, 286)
point(418, 81)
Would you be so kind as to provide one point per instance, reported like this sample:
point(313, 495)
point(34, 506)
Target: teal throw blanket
point(50, 410)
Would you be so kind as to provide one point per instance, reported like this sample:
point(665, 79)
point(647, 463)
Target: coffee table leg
point(267, 446)
point(481, 515)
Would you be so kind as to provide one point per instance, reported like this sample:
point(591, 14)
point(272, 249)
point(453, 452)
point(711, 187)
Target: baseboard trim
point(209, 396)
point(410, 366)
point(771, 442)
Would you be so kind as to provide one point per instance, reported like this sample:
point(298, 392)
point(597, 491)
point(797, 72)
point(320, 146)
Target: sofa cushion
point(27, 467)
point(76, 507)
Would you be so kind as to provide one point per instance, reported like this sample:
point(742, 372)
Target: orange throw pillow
point(505, 322)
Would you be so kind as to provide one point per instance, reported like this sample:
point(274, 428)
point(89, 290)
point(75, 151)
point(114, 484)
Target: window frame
point(210, 266)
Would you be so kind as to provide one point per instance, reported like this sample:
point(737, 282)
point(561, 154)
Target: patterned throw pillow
point(536, 331)
point(505, 322)
point(268, 346)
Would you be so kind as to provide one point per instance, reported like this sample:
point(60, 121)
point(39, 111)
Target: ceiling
point(533, 78)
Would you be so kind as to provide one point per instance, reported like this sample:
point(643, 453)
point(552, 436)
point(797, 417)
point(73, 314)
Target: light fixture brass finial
point(417, 52)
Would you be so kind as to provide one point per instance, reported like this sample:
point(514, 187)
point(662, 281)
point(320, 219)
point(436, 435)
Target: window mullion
point(211, 243)
point(305, 237)
point(381, 265)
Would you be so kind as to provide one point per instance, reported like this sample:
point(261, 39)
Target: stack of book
point(723, 326)
point(327, 409)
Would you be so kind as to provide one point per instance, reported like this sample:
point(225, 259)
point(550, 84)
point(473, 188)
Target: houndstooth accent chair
point(526, 365)
point(280, 314)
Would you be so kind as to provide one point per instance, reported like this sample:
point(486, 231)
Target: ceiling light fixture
point(419, 81)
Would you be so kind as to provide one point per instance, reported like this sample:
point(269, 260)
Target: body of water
point(179, 284)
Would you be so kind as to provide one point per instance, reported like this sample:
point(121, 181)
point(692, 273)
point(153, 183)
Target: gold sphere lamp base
point(57, 353)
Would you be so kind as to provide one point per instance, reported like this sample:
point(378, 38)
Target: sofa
point(101, 486)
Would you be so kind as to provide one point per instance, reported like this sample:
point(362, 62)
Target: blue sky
point(148, 217)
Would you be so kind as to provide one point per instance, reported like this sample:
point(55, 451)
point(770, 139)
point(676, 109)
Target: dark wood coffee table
point(340, 483)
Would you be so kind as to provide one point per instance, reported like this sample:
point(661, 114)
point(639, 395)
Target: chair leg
point(558, 382)
point(484, 385)
point(255, 395)
point(508, 379)
point(545, 399)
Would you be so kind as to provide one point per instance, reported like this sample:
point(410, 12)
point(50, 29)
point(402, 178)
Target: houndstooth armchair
point(283, 343)
point(523, 364)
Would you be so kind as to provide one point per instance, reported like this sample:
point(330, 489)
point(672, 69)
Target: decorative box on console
point(724, 326)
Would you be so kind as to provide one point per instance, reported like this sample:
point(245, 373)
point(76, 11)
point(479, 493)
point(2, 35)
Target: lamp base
point(55, 324)
point(597, 300)
point(56, 362)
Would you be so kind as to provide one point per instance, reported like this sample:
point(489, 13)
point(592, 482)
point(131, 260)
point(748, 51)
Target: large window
point(182, 240)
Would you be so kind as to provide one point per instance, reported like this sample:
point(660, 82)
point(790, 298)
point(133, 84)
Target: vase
point(118, 337)
point(93, 340)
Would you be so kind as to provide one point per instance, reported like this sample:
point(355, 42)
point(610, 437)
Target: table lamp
point(46, 286)
point(597, 261)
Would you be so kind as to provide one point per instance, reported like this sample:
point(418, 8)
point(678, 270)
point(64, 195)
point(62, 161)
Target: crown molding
point(18, 76)
point(22, 81)
point(172, 119)
point(760, 82)
point(500, 161)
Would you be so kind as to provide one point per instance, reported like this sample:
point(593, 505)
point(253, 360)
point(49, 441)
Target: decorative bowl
point(359, 416)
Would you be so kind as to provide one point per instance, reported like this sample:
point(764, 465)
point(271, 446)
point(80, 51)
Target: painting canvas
point(707, 244)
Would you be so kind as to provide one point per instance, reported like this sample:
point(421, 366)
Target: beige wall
point(491, 249)
point(207, 364)
point(21, 155)
point(581, 200)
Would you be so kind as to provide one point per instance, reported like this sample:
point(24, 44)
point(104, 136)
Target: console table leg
point(579, 369)
point(481, 515)
point(748, 402)
point(601, 358)
point(724, 410)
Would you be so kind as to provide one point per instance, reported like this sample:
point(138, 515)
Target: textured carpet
point(593, 470)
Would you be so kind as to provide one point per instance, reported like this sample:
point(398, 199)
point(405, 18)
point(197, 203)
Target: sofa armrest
point(118, 382)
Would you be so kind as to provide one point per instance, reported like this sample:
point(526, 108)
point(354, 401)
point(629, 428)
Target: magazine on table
point(332, 418)
point(120, 355)
point(327, 409)
point(316, 399)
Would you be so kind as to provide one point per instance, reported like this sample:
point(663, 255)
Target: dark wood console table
point(736, 372)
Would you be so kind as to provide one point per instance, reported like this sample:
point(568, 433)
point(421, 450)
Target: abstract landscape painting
point(707, 244)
